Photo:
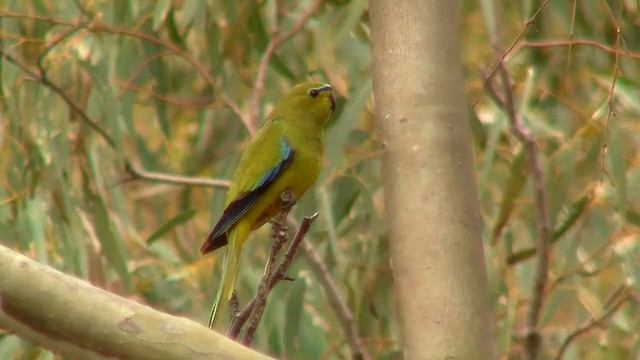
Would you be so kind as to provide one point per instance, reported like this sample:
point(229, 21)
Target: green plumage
point(284, 155)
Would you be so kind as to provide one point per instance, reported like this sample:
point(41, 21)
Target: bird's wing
point(262, 162)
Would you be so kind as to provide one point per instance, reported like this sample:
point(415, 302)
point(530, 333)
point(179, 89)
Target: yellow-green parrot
point(285, 155)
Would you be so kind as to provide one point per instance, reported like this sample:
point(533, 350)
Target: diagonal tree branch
point(120, 328)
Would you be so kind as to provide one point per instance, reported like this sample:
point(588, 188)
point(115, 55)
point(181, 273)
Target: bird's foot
point(287, 200)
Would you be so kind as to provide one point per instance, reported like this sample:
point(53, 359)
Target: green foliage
point(169, 82)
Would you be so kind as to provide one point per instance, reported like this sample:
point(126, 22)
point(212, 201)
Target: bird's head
point(308, 100)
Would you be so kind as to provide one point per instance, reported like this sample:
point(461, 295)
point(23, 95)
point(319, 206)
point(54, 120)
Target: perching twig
point(255, 308)
point(275, 277)
point(287, 200)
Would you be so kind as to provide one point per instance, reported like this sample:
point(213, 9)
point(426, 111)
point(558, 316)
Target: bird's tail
point(237, 237)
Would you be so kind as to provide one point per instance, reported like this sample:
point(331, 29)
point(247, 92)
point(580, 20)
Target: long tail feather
point(237, 237)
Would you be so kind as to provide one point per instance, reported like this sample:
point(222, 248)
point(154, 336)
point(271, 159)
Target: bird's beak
point(333, 102)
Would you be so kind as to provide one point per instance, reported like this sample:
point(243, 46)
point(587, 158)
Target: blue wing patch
point(243, 202)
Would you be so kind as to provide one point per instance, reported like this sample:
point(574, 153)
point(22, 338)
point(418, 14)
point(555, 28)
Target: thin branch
point(610, 113)
point(138, 69)
point(518, 128)
point(274, 43)
point(199, 102)
point(570, 43)
point(504, 54)
point(577, 210)
point(340, 308)
point(101, 28)
point(53, 44)
point(234, 108)
point(42, 78)
point(133, 172)
point(533, 340)
point(279, 238)
point(138, 174)
point(591, 324)
point(275, 277)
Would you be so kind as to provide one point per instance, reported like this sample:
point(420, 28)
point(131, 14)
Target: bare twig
point(592, 323)
point(137, 174)
point(53, 44)
point(533, 340)
point(43, 79)
point(234, 109)
point(577, 42)
point(198, 102)
point(519, 129)
point(340, 308)
point(275, 277)
point(279, 238)
point(105, 29)
point(577, 210)
point(274, 43)
point(610, 113)
point(503, 55)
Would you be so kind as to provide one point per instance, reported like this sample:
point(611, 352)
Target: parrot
point(285, 154)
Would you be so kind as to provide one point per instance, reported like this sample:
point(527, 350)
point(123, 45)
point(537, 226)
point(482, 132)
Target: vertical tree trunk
point(429, 182)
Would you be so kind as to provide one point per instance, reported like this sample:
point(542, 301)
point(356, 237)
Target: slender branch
point(275, 277)
point(53, 44)
point(533, 340)
point(503, 55)
point(543, 229)
point(101, 28)
point(577, 210)
point(137, 174)
point(43, 79)
point(198, 102)
point(235, 109)
point(274, 43)
point(570, 43)
point(340, 308)
point(610, 113)
point(279, 238)
point(133, 171)
point(590, 325)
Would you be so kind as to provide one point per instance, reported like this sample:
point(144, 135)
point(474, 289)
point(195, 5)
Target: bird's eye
point(314, 93)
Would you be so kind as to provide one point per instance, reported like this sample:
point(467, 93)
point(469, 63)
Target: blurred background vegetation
point(168, 86)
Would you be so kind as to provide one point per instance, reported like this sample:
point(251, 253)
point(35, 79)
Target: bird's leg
point(287, 201)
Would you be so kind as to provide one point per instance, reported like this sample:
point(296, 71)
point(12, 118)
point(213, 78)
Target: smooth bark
point(73, 318)
point(429, 182)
